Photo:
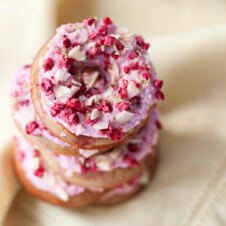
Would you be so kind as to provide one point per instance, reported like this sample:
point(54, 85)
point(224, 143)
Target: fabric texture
point(189, 188)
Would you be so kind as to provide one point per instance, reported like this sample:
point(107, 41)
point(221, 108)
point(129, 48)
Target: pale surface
point(190, 186)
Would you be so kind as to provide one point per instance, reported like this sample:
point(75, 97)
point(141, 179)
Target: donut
point(45, 184)
point(111, 168)
point(48, 186)
point(124, 193)
point(93, 84)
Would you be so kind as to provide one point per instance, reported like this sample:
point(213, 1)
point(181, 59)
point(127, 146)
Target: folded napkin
point(189, 188)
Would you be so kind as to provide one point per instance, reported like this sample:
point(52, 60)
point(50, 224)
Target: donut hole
point(95, 78)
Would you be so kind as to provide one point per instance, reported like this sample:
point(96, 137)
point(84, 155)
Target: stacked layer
point(87, 117)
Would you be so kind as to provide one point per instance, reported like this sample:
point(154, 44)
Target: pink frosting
point(41, 178)
point(120, 157)
point(117, 67)
point(23, 111)
point(46, 180)
point(126, 155)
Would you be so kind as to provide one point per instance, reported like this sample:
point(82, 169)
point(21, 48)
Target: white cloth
point(189, 188)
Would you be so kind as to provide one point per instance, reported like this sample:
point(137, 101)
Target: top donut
point(94, 80)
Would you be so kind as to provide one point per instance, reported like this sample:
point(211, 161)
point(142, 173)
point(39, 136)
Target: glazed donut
point(111, 168)
point(48, 186)
point(93, 85)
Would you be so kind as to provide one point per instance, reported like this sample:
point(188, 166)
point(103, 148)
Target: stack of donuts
point(86, 115)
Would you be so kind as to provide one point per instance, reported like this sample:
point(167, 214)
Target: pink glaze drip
point(120, 62)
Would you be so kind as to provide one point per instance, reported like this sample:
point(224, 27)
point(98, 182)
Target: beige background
point(189, 51)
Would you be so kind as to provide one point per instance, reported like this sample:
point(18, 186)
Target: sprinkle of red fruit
point(67, 62)
point(130, 161)
point(126, 69)
point(93, 36)
point(109, 40)
point(147, 45)
point(47, 86)
point(104, 106)
point(140, 40)
point(90, 165)
point(119, 45)
point(75, 44)
point(24, 102)
point(160, 95)
point(31, 127)
point(158, 124)
point(124, 83)
point(113, 133)
point(100, 42)
point(142, 43)
point(123, 92)
point(134, 66)
point(133, 54)
point(66, 43)
point(146, 75)
point(71, 117)
point(158, 84)
point(116, 134)
point(76, 104)
point(48, 64)
point(107, 20)
point(89, 21)
point(94, 51)
point(102, 31)
point(56, 109)
point(123, 106)
point(107, 62)
point(91, 122)
point(36, 153)
point(39, 172)
point(115, 55)
point(137, 84)
point(145, 67)
point(115, 87)
point(84, 169)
